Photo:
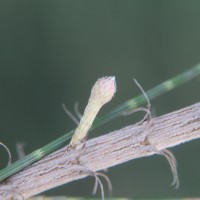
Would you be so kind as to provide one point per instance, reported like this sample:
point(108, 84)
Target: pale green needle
point(102, 92)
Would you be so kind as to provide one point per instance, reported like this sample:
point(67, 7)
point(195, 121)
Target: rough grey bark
point(66, 164)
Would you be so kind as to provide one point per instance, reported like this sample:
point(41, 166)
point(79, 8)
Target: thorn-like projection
point(86, 171)
point(76, 121)
point(147, 130)
point(76, 110)
point(173, 165)
point(99, 181)
point(8, 151)
point(141, 109)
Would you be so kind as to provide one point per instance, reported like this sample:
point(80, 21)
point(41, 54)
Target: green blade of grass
point(128, 105)
point(156, 91)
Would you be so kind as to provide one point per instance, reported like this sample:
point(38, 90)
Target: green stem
point(127, 106)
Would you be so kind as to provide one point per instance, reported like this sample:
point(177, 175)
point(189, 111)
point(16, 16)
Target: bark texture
point(66, 164)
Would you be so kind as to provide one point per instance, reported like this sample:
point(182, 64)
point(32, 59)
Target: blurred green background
point(53, 51)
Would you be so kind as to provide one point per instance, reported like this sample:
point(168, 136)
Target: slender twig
point(102, 152)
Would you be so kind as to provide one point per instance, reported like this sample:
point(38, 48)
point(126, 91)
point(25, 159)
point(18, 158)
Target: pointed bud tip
point(104, 89)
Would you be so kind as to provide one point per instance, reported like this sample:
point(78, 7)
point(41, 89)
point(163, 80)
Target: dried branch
point(66, 164)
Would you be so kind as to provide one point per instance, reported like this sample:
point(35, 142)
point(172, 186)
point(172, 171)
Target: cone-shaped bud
point(103, 90)
point(101, 93)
